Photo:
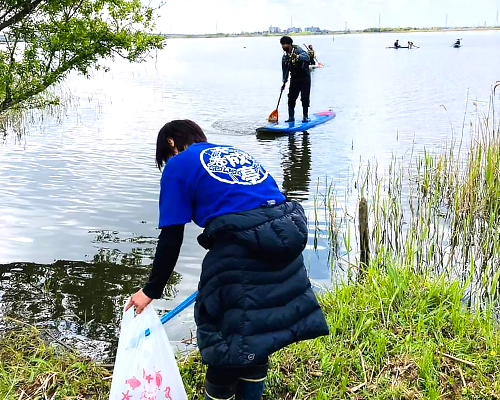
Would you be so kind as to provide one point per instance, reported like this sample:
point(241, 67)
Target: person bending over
point(254, 295)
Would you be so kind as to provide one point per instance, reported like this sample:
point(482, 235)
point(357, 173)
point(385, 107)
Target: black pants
point(298, 85)
point(240, 383)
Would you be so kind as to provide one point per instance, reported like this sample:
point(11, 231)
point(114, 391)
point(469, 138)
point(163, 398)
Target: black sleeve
point(167, 252)
point(284, 68)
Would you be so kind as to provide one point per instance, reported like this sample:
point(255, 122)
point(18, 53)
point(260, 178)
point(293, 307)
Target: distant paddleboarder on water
point(310, 53)
point(295, 62)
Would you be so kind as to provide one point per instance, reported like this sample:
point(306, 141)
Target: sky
point(236, 16)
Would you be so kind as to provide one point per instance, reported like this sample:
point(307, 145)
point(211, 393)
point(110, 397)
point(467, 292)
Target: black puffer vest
point(254, 294)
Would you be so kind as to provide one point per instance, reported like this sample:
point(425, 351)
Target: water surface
point(79, 190)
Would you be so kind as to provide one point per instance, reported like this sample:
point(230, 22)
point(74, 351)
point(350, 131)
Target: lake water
point(79, 190)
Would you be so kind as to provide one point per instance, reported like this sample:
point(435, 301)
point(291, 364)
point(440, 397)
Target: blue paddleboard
point(298, 126)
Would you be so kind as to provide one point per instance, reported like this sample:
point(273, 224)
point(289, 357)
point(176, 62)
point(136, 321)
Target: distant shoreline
point(327, 33)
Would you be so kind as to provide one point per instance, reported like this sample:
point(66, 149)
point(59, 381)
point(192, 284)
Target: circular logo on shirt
point(230, 165)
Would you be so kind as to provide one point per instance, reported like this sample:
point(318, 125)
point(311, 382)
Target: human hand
point(139, 300)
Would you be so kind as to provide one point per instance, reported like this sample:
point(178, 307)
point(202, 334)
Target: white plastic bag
point(145, 366)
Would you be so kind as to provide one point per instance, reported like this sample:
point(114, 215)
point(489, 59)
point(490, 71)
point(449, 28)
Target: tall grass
point(436, 212)
point(391, 337)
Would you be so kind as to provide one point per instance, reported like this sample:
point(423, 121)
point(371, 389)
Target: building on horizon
point(312, 29)
point(293, 30)
point(274, 29)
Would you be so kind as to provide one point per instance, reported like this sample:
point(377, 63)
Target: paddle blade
point(273, 117)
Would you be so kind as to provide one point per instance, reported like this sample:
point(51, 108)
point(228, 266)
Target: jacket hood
point(275, 234)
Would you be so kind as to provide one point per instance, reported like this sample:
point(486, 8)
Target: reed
point(436, 211)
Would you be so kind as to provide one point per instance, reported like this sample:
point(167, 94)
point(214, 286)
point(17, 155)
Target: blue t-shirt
point(207, 180)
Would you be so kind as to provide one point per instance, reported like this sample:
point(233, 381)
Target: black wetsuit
point(300, 81)
point(312, 60)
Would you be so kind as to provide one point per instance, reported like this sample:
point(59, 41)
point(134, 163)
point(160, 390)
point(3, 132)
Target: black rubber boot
point(305, 114)
point(291, 115)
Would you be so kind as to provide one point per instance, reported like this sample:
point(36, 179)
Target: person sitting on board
point(295, 62)
point(310, 53)
point(396, 44)
point(457, 43)
point(254, 295)
point(410, 44)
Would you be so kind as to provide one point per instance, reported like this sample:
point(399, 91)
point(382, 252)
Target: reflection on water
point(77, 298)
point(296, 165)
point(295, 162)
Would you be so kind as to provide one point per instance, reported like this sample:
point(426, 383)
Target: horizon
point(328, 31)
point(237, 16)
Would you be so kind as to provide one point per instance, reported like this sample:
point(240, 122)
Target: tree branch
point(8, 83)
point(75, 10)
point(28, 8)
point(51, 78)
point(72, 35)
point(7, 12)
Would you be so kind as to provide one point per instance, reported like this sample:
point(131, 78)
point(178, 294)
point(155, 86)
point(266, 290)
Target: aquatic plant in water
point(436, 211)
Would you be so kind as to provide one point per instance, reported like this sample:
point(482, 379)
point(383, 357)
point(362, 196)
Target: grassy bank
point(32, 369)
point(393, 336)
point(390, 337)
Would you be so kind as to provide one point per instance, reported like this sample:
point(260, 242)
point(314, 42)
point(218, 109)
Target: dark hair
point(286, 40)
point(183, 132)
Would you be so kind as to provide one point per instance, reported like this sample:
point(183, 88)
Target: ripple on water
point(235, 127)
